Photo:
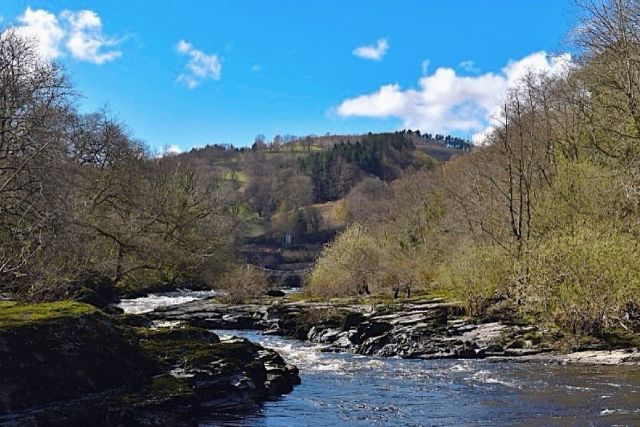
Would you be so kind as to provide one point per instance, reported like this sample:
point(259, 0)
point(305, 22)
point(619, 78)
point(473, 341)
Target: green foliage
point(583, 279)
point(335, 171)
point(477, 276)
point(582, 193)
point(348, 266)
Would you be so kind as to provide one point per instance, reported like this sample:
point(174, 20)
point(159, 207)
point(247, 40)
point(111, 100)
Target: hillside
point(296, 190)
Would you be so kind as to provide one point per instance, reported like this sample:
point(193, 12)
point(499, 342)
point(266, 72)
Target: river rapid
point(352, 390)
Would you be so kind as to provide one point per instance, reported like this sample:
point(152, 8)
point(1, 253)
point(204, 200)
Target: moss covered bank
point(68, 363)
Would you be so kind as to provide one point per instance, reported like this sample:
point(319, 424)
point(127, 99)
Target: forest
point(540, 220)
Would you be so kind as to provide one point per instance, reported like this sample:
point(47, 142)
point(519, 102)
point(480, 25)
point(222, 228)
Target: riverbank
point(422, 328)
point(68, 363)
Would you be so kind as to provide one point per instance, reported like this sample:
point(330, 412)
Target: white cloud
point(168, 151)
point(85, 39)
point(173, 149)
point(446, 102)
point(372, 52)
point(469, 66)
point(77, 33)
point(200, 66)
point(44, 28)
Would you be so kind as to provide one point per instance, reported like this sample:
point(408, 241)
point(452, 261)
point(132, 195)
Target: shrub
point(244, 283)
point(348, 266)
point(477, 275)
point(585, 280)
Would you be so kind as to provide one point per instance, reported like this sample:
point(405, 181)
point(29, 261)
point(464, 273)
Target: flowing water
point(351, 390)
point(152, 301)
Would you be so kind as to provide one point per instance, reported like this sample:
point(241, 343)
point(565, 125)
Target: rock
point(63, 351)
point(613, 357)
point(469, 350)
point(371, 345)
point(373, 329)
point(343, 342)
point(135, 320)
point(68, 363)
point(238, 321)
point(323, 336)
point(113, 310)
point(275, 293)
point(351, 320)
point(430, 329)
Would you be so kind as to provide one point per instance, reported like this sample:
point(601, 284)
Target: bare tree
point(609, 33)
point(33, 104)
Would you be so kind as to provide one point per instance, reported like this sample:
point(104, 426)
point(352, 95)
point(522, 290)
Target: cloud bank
point(201, 66)
point(77, 33)
point(446, 102)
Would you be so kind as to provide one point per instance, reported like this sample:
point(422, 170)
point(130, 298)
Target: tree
point(498, 193)
point(34, 100)
point(260, 143)
point(609, 34)
point(348, 266)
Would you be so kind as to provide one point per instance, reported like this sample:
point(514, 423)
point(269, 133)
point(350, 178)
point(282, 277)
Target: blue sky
point(293, 67)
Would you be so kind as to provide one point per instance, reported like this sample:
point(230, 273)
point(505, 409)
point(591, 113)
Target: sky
point(185, 73)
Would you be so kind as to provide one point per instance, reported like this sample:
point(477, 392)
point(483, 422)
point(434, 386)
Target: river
point(351, 390)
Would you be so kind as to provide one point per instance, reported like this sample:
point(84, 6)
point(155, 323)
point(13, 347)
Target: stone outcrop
point(68, 363)
point(427, 329)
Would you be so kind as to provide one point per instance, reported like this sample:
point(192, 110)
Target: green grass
point(13, 314)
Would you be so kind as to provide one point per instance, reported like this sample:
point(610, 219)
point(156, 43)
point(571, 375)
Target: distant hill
point(285, 180)
point(294, 187)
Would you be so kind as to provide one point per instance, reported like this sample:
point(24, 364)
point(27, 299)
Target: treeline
point(446, 140)
point(334, 172)
point(283, 179)
point(79, 195)
point(542, 221)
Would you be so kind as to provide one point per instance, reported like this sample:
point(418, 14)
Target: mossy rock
point(64, 350)
point(164, 389)
point(68, 363)
point(135, 320)
point(191, 348)
point(14, 314)
point(180, 332)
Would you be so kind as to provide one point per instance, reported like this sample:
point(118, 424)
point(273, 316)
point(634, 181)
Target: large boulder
point(64, 350)
point(68, 363)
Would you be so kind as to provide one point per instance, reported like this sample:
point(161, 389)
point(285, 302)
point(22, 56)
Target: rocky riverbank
point(425, 329)
point(68, 363)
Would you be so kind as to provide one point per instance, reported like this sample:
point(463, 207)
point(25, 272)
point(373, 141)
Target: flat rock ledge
point(432, 329)
point(627, 356)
